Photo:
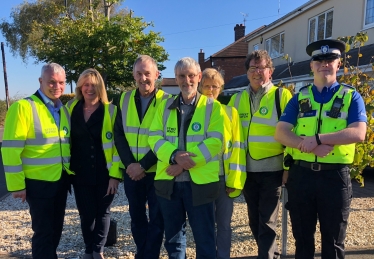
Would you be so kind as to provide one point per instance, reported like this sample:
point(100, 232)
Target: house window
point(320, 27)
point(275, 45)
point(256, 47)
point(369, 13)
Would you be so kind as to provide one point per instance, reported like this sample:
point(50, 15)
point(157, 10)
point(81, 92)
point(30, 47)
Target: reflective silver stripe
point(108, 165)
point(13, 143)
point(215, 134)
point(143, 131)
point(226, 156)
point(237, 100)
point(156, 133)
point(139, 150)
point(37, 124)
point(205, 151)
point(171, 139)
point(236, 167)
point(215, 158)
point(166, 113)
point(125, 108)
point(13, 168)
point(69, 103)
point(229, 112)
point(342, 115)
point(42, 161)
point(130, 129)
point(245, 124)
point(66, 159)
point(67, 114)
point(305, 91)
point(208, 113)
point(238, 144)
point(45, 141)
point(116, 159)
point(264, 139)
point(159, 144)
point(111, 110)
point(165, 96)
point(195, 138)
point(345, 89)
point(108, 145)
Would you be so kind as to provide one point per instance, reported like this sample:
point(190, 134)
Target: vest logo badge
point(170, 130)
point(243, 115)
point(65, 129)
point(264, 110)
point(229, 144)
point(109, 135)
point(196, 126)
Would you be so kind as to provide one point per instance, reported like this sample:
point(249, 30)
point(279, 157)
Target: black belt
point(314, 166)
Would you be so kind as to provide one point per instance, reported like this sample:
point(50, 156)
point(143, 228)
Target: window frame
point(256, 47)
point(281, 45)
point(315, 18)
point(369, 25)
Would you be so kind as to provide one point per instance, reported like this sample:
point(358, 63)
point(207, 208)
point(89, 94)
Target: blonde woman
point(232, 161)
point(94, 159)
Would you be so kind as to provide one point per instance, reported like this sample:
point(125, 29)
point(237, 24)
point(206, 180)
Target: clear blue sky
point(186, 25)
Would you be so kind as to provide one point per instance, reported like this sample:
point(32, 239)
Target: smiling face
point(210, 88)
point(258, 73)
point(325, 71)
point(89, 91)
point(188, 79)
point(52, 84)
point(145, 75)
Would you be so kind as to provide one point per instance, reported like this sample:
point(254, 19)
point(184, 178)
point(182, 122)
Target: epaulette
point(349, 86)
point(306, 86)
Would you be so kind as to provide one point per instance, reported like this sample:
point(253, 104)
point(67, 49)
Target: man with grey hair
point(36, 157)
point(131, 129)
point(186, 136)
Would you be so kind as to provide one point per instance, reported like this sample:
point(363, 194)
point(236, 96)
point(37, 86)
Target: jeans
point(201, 219)
point(319, 195)
point(147, 233)
point(261, 192)
point(224, 206)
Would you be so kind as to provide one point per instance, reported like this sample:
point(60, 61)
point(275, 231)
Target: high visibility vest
point(204, 138)
point(307, 125)
point(259, 129)
point(234, 159)
point(33, 147)
point(110, 152)
point(137, 133)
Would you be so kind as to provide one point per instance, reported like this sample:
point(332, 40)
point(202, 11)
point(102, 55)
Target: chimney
point(201, 58)
point(239, 31)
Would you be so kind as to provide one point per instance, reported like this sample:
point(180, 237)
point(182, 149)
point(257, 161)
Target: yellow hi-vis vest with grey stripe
point(33, 147)
point(234, 160)
point(259, 130)
point(110, 151)
point(307, 125)
point(204, 139)
point(137, 133)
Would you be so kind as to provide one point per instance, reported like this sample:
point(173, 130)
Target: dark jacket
point(201, 193)
point(121, 142)
point(87, 154)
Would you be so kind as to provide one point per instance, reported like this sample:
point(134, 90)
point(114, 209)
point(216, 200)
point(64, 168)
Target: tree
point(78, 41)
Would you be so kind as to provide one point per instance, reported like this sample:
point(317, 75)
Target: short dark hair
point(258, 55)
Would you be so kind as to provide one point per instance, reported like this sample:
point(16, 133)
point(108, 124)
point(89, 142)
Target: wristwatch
point(172, 159)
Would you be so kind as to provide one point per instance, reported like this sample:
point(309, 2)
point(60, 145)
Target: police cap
point(325, 49)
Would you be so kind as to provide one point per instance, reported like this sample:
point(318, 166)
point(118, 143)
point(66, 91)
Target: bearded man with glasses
point(259, 107)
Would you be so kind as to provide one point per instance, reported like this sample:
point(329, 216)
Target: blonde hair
point(94, 76)
point(213, 74)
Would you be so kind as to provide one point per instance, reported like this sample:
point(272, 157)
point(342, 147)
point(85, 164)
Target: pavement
point(358, 192)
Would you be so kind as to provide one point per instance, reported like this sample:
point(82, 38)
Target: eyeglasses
point(213, 87)
point(260, 69)
point(183, 77)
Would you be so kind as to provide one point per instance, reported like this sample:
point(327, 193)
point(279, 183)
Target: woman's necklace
point(91, 109)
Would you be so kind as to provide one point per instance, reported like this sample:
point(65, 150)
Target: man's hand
point(112, 186)
point(20, 194)
point(183, 159)
point(174, 170)
point(135, 172)
point(229, 190)
point(307, 144)
point(284, 177)
point(322, 150)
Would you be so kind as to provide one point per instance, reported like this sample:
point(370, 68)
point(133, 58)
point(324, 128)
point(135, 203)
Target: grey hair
point(186, 62)
point(143, 58)
point(56, 68)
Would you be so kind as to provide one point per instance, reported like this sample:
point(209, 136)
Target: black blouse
point(87, 154)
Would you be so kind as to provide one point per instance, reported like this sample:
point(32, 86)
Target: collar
point(46, 100)
point(327, 89)
point(177, 101)
point(264, 88)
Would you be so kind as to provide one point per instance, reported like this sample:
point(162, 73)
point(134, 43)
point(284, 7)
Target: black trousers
point(47, 212)
point(322, 195)
point(94, 210)
point(261, 192)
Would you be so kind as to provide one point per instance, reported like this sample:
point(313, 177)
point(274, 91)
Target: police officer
point(320, 127)
point(36, 156)
point(137, 110)
point(260, 107)
point(186, 135)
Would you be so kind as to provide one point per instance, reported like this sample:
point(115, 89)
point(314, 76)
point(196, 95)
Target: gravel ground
point(15, 229)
